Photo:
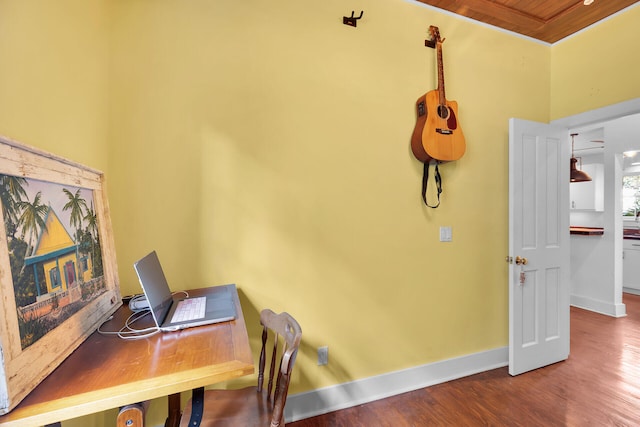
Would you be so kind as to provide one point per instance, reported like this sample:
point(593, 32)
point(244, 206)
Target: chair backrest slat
point(286, 328)
point(262, 359)
point(272, 368)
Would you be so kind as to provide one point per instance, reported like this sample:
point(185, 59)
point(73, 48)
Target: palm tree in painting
point(91, 220)
point(77, 205)
point(11, 191)
point(32, 218)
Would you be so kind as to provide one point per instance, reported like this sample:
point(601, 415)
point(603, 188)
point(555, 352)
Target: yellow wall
point(598, 67)
point(268, 145)
point(53, 77)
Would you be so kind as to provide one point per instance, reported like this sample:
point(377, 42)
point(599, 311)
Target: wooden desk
point(107, 372)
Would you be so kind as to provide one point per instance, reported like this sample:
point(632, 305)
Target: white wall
point(596, 261)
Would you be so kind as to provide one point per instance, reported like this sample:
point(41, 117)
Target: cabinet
point(589, 195)
point(631, 264)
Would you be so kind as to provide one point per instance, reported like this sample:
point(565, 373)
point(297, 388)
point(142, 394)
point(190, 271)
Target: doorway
point(597, 261)
point(611, 298)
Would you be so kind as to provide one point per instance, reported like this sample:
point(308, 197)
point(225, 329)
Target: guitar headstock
point(435, 34)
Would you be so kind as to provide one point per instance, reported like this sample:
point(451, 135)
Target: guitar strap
point(425, 181)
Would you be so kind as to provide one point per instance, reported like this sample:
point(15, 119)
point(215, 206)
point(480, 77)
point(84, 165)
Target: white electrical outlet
point(446, 234)
point(323, 355)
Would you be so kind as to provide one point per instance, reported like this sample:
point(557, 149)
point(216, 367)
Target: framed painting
point(58, 270)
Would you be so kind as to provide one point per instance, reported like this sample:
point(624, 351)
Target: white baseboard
point(321, 401)
point(602, 307)
point(631, 291)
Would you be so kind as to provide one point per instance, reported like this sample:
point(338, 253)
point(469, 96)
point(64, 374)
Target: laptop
point(167, 310)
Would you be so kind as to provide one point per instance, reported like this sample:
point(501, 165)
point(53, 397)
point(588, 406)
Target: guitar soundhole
point(443, 111)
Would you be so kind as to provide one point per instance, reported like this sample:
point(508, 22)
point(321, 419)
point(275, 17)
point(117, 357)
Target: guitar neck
point(441, 96)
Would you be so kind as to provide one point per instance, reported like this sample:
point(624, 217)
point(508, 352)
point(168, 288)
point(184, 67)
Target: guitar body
point(437, 134)
point(416, 138)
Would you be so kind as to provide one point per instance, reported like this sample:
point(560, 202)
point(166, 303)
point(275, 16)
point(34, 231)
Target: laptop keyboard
point(189, 309)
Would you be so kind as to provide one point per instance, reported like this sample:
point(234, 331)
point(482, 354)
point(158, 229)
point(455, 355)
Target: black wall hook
point(352, 20)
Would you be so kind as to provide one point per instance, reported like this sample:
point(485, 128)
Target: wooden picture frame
point(58, 271)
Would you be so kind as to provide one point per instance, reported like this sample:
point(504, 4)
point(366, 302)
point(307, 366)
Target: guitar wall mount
point(352, 20)
point(432, 43)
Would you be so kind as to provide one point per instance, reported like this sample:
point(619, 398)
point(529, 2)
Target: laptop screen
point(154, 285)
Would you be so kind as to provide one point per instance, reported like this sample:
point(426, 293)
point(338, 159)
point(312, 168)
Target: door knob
point(521, 261)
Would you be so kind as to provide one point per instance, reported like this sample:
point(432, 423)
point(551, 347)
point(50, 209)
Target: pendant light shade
point(576, 174)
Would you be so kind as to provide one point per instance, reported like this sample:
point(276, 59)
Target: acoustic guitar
point(437, 134)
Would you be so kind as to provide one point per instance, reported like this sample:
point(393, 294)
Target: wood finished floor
point(599, 385)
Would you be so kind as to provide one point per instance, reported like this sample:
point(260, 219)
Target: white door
point(539, 233)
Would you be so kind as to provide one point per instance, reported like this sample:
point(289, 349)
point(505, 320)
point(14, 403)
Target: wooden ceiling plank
point(569, 10)
point(578, 20)
point(543, 10)
point(545, 20)
point(488, 10)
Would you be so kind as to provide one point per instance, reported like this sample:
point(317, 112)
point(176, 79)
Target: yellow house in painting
point(56, 252)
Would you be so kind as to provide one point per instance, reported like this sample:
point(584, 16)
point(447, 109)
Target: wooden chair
point(252, 406)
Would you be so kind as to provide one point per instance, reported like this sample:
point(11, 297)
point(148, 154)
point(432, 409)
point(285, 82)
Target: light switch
point(445, 234)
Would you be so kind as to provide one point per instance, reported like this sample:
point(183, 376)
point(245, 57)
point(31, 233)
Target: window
point(631, 196)
point(54, 275)
point(84, 263)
